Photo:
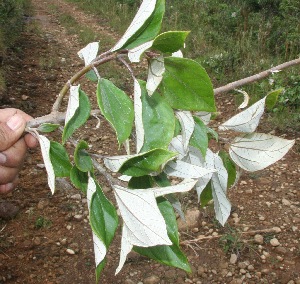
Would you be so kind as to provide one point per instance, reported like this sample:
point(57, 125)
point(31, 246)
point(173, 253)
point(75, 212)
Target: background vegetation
point(232, 39)
point(12, 15)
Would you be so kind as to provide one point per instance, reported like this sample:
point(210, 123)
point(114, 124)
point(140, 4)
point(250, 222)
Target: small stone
point(243, 271)
point(259, 239)
point(243, 182)
point(192, 219)
point(37, 241)
point(128, 281)
point(233, 258)
point(69, 227)
point(285, 202)
point(274, 242)
point(282, 250)
point(153, 279)
point(76, 196)
point(25, 98)
point(78, 217)
point(242, 265)
point(200, 270)
point(70, 251)
point(250, 267)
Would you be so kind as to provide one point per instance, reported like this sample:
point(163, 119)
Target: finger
point(8, 174)
point(14, 156)
point(31, 141)
point(11, 131)
point(9, 187)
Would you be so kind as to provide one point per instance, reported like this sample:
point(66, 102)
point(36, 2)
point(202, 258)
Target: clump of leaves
point(167, 125)
point(42, 222)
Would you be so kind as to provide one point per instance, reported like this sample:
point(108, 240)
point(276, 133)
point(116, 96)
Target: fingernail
point(2, 158)
point(14, 122)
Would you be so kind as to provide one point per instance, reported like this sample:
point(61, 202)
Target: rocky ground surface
point(49, 241)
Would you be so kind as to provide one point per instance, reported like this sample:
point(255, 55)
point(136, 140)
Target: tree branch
point(256, 77)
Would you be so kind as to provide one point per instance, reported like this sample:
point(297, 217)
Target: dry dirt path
point(50, 241)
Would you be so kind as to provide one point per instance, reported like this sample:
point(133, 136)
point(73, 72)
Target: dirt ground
point(49, 241)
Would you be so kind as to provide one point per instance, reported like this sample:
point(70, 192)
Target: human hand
point(13, 146)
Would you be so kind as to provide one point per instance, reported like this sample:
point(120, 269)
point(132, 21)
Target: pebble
point(192, 219)
point(153, 279)
point(78, 217)
point(233, 258)
point(285, 202)
point(76, 196)
point(274, 242)
point(129, 281)
point(70, 251)
point(259, 239)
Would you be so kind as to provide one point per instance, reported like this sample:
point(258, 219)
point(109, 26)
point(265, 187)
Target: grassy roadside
point(232, 40)
point(12, 19)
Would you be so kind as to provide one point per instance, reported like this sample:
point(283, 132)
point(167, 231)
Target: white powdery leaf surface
point(45, 149)
point(144, 225)
point(73, 103)
point(247, 120)
point(186, 170)
point(219, 187)
point(134, 54)
point(89, 53)
point(246, 99)
point(114, 163)
point(256, 151)
point(155, 74)
point(195, 157)
point(187, 124)
point(204, 116)
point(178, 54)
point(176, 145)
point(99, 247)
point(145, 11)
point(138, 115)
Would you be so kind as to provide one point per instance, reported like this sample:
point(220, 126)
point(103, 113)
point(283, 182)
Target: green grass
point(231, 39)
point(42, 222)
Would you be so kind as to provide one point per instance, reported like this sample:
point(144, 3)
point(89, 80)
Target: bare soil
point(50, 241)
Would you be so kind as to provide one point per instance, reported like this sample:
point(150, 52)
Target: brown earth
point(49, 241)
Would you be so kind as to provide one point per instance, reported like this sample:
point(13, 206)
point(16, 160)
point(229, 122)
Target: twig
point(256, 77)
point(54, 117)
point(201, 238)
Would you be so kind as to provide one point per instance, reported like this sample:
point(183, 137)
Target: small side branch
point(256, 77)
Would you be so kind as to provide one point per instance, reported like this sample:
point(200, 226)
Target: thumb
point(11, 131)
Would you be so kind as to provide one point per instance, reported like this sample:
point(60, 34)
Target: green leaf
point(149, 30)
point(91, 75)
point(206, 195)
point(230, 167)
point(158, 120)
point(103, 217)
point(168, 255)
point(141, 182)
point(212, 134)
point(187, 86)
point(146, 163)
point(47, 127)
point(272, 98)
point(177, 129)
point(99, 269)
point(60, 160)
point(82, 159)
point(162, 180)
point(199, 138)
point(80, 117)
point(116, 107)
point(79, 179)
point(170, 41)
